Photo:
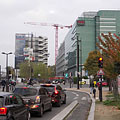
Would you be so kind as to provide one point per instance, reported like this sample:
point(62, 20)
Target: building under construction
point(30, 47)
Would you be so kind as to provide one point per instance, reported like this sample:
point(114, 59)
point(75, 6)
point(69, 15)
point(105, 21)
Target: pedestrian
point(91, 87)
point(94, 92)
point(3, 83)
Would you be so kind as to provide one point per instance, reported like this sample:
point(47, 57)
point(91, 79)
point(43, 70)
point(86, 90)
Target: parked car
point(37, 98)
point(103, 83)
point(57, 94)
point(12, 107)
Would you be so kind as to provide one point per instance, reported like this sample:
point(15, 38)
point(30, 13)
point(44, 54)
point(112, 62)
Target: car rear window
point(50, 88)
point(25, 91)
point(1, 101)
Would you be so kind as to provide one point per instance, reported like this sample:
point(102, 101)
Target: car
point(12, 107)
point(103, 83)
point(36, 98)
point(57, 94)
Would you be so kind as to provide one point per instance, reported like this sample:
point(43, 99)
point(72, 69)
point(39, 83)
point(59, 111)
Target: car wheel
point(41, 111)
point(28, 116)
point(59, 103)
point(64, 102)
point(11, 119)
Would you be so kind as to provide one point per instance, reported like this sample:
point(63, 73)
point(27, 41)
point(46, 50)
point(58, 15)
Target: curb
point(66, 111)
point(92, 109)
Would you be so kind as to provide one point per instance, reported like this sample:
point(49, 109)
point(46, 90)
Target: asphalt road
point(79, 113)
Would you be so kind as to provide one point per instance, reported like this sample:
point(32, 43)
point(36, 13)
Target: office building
point(86, 30)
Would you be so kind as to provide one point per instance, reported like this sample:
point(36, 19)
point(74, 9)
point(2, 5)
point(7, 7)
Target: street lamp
point(7, 79)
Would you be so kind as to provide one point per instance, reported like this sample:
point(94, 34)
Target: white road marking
point(84, 98)
point(75, 98)
point(75, 94)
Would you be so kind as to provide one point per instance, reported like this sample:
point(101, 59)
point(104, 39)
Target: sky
point(13, 14)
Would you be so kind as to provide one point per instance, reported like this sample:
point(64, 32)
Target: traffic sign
point(100, 72)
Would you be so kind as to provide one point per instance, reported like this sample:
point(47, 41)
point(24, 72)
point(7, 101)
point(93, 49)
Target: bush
point(85, 77)
point(75, 80)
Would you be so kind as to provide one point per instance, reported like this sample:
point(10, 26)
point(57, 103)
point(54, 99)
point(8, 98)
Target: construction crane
point(56, 26)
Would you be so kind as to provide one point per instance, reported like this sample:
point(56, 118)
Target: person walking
point(3, 83)
point(91, 87)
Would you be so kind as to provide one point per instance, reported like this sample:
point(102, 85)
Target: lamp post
point(7, 79)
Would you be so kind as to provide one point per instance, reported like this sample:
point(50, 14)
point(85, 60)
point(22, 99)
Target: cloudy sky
point(13, 14)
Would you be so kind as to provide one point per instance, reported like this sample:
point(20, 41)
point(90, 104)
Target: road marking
point(75, 98)
point(84, 98)
point(75, 94)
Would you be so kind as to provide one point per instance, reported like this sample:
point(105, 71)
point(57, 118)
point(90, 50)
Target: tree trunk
point(115, 89)
point(110, 84)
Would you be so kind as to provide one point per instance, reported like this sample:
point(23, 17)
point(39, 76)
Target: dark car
point(37, 98)
point(12, 107)
point(57, 94)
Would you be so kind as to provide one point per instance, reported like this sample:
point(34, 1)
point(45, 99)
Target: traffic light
point(100, 62)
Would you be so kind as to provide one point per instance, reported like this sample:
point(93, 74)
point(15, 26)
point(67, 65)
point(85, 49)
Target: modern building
point(40, 48)
point(85, 31)
point(28, 47)
point(60, 60)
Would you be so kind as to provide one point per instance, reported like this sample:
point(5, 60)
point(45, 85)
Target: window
point(1, 101)
point(58, 87)
point(42, 91)
point(20, 102)
point(11, 99)
point(25, 91)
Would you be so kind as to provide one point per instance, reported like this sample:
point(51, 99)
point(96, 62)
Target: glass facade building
point(86, 30)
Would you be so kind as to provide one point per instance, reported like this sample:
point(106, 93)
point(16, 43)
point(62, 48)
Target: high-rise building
point(28, 47)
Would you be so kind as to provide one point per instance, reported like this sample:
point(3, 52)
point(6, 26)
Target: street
point(81, 110)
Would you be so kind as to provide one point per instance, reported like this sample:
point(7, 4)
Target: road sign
point(100, 72)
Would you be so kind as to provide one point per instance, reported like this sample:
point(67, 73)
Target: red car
point(103, 83)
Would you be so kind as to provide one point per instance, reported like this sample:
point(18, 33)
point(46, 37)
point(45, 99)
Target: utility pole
point(77, 62)
point(0, 72)
point(7, 77)
point(81, 63)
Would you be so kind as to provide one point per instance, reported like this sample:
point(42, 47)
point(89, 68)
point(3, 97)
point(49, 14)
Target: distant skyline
point(13, 14)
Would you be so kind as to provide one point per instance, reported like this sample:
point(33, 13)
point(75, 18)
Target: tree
point(34, 69)
point(91, 64)
point(111, 51)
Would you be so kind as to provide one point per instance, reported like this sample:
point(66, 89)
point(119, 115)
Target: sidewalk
point(103, 112)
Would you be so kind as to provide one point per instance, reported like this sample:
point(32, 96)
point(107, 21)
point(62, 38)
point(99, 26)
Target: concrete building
point(28, 47)
point(40, 48)
point(86, 30)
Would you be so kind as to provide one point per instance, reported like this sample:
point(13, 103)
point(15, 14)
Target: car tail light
point(25, 87)
point(37, 100)
point(34, 106)
point(56, 92)
point(3, 111)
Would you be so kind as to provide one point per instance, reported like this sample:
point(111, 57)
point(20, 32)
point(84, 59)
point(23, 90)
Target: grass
point(112, 101)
